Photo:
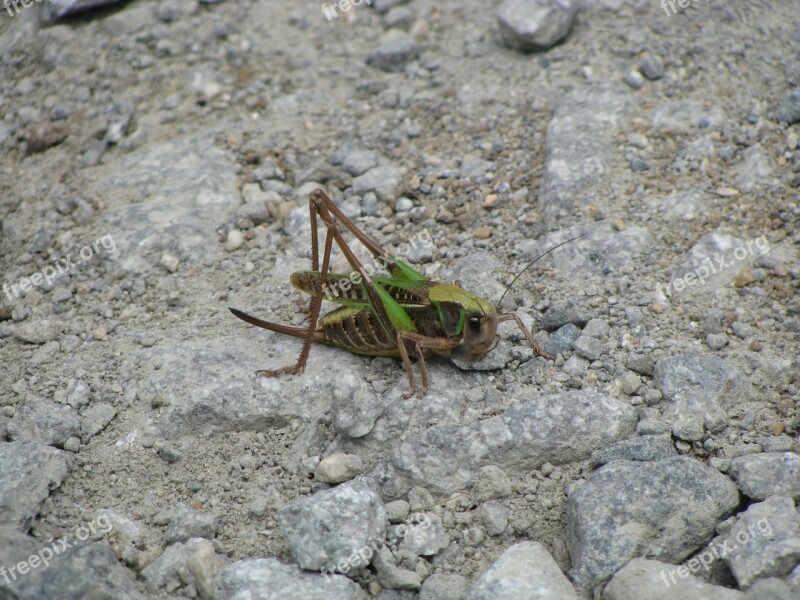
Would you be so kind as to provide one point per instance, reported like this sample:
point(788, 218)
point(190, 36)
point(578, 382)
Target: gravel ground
point(155, 162)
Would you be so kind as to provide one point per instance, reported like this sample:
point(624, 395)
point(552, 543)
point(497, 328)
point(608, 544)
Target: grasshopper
point(405, 314)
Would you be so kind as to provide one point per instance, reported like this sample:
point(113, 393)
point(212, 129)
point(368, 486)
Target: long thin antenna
point(530, 264)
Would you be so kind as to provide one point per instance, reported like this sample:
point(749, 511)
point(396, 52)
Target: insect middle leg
point(420, 343)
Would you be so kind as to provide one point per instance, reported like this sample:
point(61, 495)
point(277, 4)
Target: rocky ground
point(156, 160)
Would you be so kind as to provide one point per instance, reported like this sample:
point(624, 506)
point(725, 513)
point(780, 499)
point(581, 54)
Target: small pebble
point(482, 233)
point(652, 68)
point(169, 262)
point(234, 241)
point(716, 341)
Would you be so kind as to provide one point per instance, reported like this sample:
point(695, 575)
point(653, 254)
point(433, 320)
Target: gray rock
point(764, 541)
point(530, 25)
point(39, 332)
point(564, 313)
point(419, 498)
point(446, 459)
point(269, 169)
point(643, 579)
point(789, 110)
point(666, 510)
point(742, 330)
point(602, 249)
point(491, 482)
point(755, 168)
point(716, 341)
point(339, 467)
point(396, 511)
point(384, 6)
point(355, 406)
point(444, 586)
point(269, 579)
point(189, 523)
point(652, 427)
point(359, 162)
point(596, 328)
point(395, 49)
point(44, 422)
point(712, 265)
point(200, 396)
point(652, 68)
point(770, 474)
point(494, 517)
point(794, 580)
point(129, 535)
point(383, 181)
point(425, 536)
point(53, 10)
point(575, 365)
point(677, 205)
point(770, 589)
point(777, 443)
point(634, 79)
point(641, 448)
point(401, 17)
point(193, 563)
point(640, 363)
point(525, 570)
point(30, 472)
point(700, 387)
point(588, 347)
point(327, 528)
point(393, 577)
point(714, 321)
point(168, 198)
point(78, 393)
point(73, 570)
point(562, 340)
point(689, 429)
point(579, 147)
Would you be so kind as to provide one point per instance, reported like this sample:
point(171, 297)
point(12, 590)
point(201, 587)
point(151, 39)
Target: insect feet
point(293, 370)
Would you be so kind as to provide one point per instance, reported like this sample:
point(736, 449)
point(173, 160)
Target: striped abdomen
point(358, 331)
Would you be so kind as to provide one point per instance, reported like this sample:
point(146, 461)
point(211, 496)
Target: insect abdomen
point(358, 331)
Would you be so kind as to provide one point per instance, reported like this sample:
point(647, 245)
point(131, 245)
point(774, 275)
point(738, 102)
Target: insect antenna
point(530, 264)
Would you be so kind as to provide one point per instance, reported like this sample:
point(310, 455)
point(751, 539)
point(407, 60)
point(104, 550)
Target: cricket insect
point(404, 314)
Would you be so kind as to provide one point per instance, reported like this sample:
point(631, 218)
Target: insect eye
point(474, 323)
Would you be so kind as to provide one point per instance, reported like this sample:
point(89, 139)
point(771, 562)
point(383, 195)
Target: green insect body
point(403, 314)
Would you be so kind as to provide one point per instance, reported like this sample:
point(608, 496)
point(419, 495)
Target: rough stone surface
point(330, 526)
point(525, 570)
point(643, 579)
point(535, 24)
point(30, 472)
point(528, 435)
point(269, 579)
point(764, 541)
point(665, 510)
point(770, 474)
